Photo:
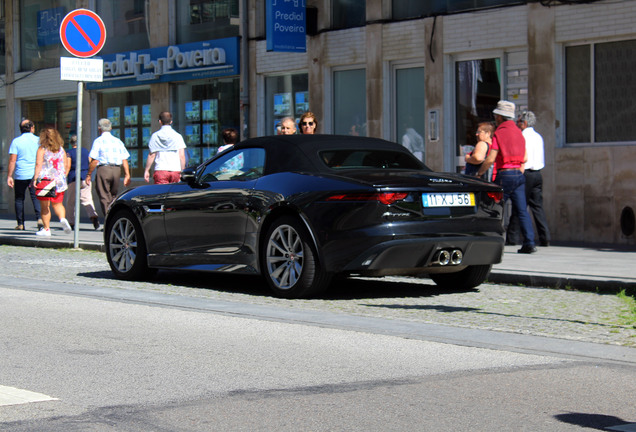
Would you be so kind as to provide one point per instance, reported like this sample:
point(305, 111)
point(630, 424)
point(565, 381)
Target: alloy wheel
point(284, 256)
point(123, 245)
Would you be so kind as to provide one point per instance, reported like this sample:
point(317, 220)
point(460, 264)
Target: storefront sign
point(197, 60)
point(286, 24)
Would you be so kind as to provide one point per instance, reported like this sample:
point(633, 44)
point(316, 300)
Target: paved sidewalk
point(575, 267)
point(88, 237)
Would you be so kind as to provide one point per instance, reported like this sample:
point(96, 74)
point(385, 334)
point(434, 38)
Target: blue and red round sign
point(83, 33)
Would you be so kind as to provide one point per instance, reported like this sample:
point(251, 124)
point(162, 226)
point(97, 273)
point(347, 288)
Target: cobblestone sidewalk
point(574, 315)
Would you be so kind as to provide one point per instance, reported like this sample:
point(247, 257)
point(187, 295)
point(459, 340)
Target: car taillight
point(383, 197)
point(495, 196)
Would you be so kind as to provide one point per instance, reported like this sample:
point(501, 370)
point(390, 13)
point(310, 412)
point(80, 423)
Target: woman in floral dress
point(50, 163)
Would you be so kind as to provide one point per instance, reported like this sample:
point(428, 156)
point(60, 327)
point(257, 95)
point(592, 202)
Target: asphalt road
point(113, 364)
point(200, 353)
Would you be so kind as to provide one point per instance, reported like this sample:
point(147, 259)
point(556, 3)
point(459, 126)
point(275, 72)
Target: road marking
point(15, 396)
point(631, 427)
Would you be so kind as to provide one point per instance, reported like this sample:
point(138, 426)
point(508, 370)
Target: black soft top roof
point(301, 152)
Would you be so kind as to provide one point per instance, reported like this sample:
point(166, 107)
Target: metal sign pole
point(83, 34)
point(78, 163)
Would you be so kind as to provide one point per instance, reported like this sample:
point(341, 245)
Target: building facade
point(423, 74)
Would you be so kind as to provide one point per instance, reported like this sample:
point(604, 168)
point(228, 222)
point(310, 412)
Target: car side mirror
point(188, 175)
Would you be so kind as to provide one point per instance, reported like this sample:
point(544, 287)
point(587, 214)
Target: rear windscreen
point(365, 159)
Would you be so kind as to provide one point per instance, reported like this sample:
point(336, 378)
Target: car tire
point(126, 247)
point(470, 277)
point(289, 261)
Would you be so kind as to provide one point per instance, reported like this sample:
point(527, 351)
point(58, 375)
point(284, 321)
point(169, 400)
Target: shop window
point(126, 24)
point(200, 20)
point(402, 9)
point(478, 89)
point(285, 96)
point(599, 93)
point(40, 20)
point(203, 110)
point(57, 113)
point(410, 109)
point(348, 13)
point(129, 112)
point(350, 102)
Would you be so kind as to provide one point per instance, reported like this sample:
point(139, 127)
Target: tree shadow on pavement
point(596, 421)
point(443, 308)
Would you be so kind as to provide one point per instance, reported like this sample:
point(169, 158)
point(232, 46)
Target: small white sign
point(81, 69)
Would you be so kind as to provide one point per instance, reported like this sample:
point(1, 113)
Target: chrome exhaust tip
point(443, 258)
point(456, 257)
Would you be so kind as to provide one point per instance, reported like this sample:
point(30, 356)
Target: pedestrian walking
point(51, 164)
point(508, 154)
point(534, 181)
point(108, 156)
point(308, 123)
point(230, 137)
point(167, 153)
point(86, 192)
point(288, 126)
point(22, 155)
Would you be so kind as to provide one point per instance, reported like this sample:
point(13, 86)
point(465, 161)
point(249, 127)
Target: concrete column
point(374, 68)
point(10, 27)
point(160, 34)
point(375, 79)
point(315, 56)
point(434, 92)
point(542, 91)
point(12, 46)
point(316, 66)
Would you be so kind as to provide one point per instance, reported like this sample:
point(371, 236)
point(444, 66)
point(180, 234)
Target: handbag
point(45, 188)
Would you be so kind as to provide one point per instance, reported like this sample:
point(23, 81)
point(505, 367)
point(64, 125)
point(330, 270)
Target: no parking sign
point(83, 33)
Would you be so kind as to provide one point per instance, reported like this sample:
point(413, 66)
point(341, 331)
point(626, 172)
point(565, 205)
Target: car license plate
point(454, 199)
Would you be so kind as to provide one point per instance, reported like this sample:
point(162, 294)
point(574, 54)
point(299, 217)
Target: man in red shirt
point(508, 153)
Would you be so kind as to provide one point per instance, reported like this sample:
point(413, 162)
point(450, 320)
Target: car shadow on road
point(366, 288)
point(341, 288)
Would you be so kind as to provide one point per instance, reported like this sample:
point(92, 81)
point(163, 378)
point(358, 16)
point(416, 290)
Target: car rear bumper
point(421, 255)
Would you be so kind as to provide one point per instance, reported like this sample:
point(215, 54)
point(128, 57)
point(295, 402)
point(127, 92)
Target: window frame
point(393, 128)
point(340, 3)
point(562, 132)
point(452, 160)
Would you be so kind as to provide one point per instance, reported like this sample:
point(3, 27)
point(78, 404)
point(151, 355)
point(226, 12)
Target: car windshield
point(365, 159)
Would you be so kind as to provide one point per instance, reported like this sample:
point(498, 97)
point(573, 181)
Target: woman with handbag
point(50, 179)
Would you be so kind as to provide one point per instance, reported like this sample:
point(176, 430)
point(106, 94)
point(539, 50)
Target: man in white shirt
point(108, 156)
point(534, 180)
point(167, 152)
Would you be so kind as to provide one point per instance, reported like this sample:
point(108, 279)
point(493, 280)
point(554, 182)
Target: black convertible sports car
point(300, 209)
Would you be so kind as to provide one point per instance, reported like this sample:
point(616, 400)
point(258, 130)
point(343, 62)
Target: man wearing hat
point(508, 153)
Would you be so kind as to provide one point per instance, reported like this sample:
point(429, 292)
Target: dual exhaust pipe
point(446, 257)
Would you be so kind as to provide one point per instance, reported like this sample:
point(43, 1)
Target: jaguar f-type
point(300, 209)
